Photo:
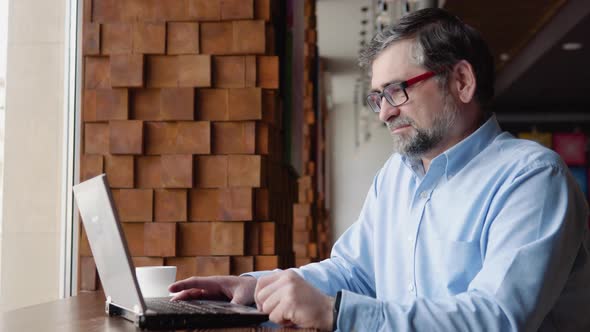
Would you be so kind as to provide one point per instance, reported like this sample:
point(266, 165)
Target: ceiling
point(534, 73)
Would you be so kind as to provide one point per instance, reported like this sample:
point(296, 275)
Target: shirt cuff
point(258, 274)
point(358, 312)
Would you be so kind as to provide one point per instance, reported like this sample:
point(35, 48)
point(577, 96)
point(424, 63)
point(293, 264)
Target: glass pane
point(3, 49)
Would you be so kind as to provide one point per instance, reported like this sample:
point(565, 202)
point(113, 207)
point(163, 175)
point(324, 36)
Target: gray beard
point(423, 140)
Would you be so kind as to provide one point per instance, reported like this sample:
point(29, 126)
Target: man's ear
point(464, 81)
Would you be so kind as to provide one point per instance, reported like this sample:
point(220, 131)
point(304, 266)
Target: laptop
point(117, 274)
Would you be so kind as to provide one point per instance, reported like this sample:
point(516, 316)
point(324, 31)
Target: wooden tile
point(116, 38)
point(265, 141)
point(246, 171)
point(126, 137)
point(105, 11)
point(301, 237)
point(205, 10)
point(145, 104)
point(147, 261)
point(162, 71)
point(211, 171)
point(91, 39)
point(163, 10)
point(177, 171)
point(262, 204)
point(312, 249)
point(112, 104)
point(263, 10)
point(185, 266)
point(212, 105)
point(87, 11)
point(97, 73)
point(84, 246)
point(160, 138)
point(217, 37)
point(148, 172)
point(160, 239)
point(252, 238)
point(246, 104)
point(221, 204)
point(134, 236)
point(149, 38)
point(134, 205)
point(237, 9)
point(227, 238)
point(301, 210)
point(229, 71)
point(194, 238)
point(268, 241)
point(89, 106)
point(88, 274)
point(268, 72)
point(177, 104)
point(127, 70)
point(194, 70)
point(130, 11)
point(266, 263)
point(119, 170)
point(212, 266)
point(249, 37)
point(241, 264)
point(91, 165)
point(271, 112)
point(182, 38)
point(251, 74)
point(193, 137)
point(170, 205)
point(302, 223)
point(204, 204)
point(234, 137)
point(96, 138)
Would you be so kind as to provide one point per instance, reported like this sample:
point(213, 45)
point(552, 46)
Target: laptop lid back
point(108, 244)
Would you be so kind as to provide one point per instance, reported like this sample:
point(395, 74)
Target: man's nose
point(388, 112)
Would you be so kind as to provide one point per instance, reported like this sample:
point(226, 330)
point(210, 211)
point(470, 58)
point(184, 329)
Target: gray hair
point(440, 41)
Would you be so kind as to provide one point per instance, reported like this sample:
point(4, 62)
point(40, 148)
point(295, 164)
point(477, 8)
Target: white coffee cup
point(154, 280)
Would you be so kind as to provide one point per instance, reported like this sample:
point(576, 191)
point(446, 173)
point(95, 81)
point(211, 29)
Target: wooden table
point(84, 312)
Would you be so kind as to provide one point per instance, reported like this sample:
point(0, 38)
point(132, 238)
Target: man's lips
point(400, 128)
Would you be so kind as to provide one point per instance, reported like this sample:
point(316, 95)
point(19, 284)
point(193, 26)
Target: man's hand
point(289, 300)
point(239, 290)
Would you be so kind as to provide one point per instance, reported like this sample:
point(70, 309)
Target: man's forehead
point(393, 64)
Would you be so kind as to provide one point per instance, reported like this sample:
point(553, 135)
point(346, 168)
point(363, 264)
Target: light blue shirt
point(493, 237)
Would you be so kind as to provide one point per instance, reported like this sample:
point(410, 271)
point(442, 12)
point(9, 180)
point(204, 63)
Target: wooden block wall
point(181, 110)
point(310, 215)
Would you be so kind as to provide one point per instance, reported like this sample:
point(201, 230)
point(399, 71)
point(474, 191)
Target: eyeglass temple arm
point(419, 78)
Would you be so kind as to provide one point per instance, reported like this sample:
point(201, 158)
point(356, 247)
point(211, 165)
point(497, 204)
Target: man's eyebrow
point(384, 85)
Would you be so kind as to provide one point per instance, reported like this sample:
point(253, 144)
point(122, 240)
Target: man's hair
point(440, 41)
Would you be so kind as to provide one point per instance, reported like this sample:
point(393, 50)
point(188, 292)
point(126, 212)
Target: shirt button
point(410, 287)
point(410, 239)
point(424, 194)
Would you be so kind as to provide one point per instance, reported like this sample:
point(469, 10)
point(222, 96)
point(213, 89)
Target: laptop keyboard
point(165, 306)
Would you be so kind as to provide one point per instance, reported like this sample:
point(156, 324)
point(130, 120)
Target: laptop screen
point(108, 244)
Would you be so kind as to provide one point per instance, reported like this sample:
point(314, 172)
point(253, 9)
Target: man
point(465, 228)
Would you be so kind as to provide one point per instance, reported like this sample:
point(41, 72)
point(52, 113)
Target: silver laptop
point(117, 274)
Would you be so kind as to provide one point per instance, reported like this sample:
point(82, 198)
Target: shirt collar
point(455, 158)
point(463, 152)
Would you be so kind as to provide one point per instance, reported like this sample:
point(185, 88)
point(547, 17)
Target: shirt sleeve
point(535, 231)
point(350, 265)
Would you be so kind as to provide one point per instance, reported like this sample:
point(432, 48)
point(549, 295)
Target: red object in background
point(571, 147)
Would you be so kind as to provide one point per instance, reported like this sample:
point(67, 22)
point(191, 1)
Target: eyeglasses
point(395, 93)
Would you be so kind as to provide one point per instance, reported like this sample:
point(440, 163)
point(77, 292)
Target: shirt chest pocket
point(457, 263)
